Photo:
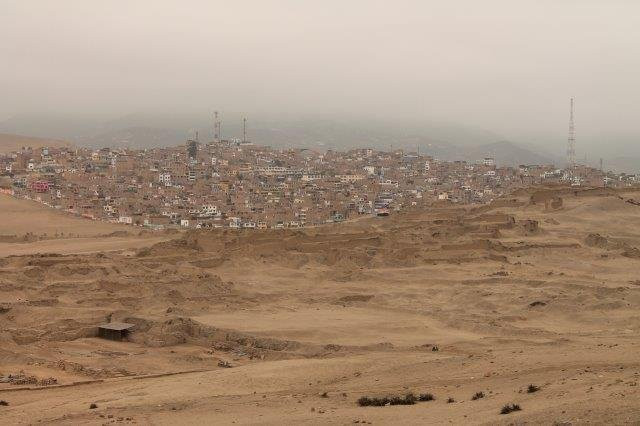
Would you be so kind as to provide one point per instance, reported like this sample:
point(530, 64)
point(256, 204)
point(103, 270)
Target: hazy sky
point(508, 66)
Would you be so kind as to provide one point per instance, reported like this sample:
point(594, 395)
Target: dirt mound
point(120, 233)
point(596, 240)
point(554, 203)
point(356, 298)
point(544, 196)
point(506, 202)
point(528, 227)
point(602, 242)
point(180, 330)
point(212, 262)
point(632, 253)
point(185, 245)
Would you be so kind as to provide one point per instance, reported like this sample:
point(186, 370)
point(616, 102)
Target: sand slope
point(28, 227)
point(10, 143)
point(20, 217)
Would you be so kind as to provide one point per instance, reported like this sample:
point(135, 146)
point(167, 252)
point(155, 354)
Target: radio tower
point(244, 129)
point(571, 141)
point(216, 127)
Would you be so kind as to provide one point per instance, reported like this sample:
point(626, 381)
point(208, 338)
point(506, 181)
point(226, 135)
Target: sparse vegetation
point(509, 408)
point(366, 401)
point(408, 399)
point(426, 397)
point(324, 395)
point(450, 400)
point(93, 406)
point(477, 395)
point(3, 403)
point(532, 388)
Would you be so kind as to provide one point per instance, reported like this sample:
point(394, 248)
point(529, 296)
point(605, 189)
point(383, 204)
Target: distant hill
point(50, 126)
point(506, 154)
point(622, 165)
point(447, 141)
point(10, 143)
point(136, 137)
point(148, 130)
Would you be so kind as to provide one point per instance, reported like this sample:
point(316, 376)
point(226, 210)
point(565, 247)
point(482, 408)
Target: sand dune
point(539, 288)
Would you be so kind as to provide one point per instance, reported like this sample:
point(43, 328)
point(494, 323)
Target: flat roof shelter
point(114, 330)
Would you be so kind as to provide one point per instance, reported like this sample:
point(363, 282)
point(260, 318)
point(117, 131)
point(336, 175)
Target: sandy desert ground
point(28, 227)
point(541, 288)
point(20, 217)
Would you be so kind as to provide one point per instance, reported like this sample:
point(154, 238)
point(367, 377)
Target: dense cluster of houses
point(242, 185)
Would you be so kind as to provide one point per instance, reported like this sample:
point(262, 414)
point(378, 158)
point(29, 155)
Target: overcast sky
point(509, 66)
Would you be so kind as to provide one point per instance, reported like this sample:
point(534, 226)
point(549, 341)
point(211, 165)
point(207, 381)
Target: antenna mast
point(216, 127)
point(571, 141)
point(244, 129)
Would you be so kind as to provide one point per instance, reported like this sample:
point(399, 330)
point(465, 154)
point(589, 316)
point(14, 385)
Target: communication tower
point(571, 140)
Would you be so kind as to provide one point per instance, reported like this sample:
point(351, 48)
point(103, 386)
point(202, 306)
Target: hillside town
point(238, 184)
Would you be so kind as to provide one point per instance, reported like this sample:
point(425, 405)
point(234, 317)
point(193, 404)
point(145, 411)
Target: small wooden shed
point(114, 330)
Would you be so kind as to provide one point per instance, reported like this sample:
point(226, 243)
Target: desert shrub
point(3, 402)
point(324, 395)
point(380, 402)
point(93, 406)
point(408, 399)
point(364, 401)
point(450, 400)
point(477, 396)
point(509, 408)
point(426, 397)
point(532, 388)
point(395, 400)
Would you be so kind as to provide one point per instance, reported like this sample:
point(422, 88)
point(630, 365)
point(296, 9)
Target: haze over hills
point(442, 140)
point(446, 141)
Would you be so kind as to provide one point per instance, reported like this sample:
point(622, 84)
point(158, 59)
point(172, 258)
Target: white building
point(209, 210)
point(125, 219)
point(165, 179)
